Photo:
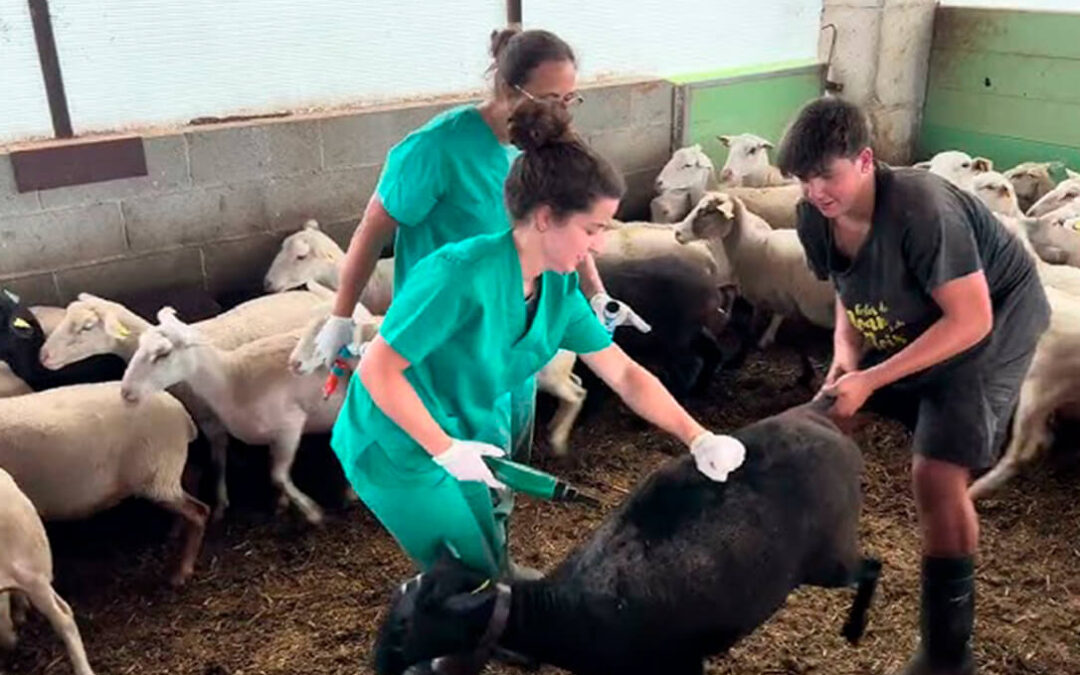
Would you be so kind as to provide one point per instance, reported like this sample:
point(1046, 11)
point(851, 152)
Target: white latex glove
point(614, 313)
point(717, 456)
point(335, 334)
point(464, 461)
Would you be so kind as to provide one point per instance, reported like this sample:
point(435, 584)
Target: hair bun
point(537, 124)
point(500, 38)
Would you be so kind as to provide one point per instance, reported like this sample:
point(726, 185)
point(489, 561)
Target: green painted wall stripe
point(1041, 121)
point(1030, 77)
point(1005, 151)
point(1042, 33)
point(763, 107)
point(742, 71)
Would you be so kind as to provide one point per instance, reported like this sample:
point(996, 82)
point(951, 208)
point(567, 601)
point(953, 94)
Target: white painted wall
point(665, 37)
point(134, 63)
point(24, 108)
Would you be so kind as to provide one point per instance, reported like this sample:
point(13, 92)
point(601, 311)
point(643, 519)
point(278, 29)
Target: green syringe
point(536, 483)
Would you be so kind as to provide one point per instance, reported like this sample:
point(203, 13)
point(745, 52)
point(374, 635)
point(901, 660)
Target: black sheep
point(682, 570)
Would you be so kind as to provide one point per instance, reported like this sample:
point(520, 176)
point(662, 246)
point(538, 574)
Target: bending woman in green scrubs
point(476, 319)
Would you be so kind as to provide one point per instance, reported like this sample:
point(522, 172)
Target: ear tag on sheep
point(122, 330)
point(487, 582)
point(20, 322)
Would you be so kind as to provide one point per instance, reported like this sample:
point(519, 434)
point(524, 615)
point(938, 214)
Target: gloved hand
point(464, 461)
point(335, 334)
point(717, 456)
point(614, 313)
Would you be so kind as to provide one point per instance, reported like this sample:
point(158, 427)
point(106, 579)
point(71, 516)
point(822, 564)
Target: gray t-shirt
point(924, 233)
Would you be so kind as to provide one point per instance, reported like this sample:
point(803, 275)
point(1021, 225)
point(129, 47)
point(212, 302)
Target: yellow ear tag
point(20, 323)
point(122, 330)
point(487, 582)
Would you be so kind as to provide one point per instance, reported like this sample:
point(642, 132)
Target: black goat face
point(439, 613)
point(16, 324)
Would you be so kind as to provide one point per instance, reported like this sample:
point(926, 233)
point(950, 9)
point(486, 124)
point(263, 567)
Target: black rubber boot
point(948, 618)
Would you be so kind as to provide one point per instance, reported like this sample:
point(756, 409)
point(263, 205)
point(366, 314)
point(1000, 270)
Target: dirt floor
point(274, 596)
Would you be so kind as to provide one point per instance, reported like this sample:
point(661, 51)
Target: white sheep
point(997, 193)
point(959, 168)
point(250, 389)
point(10, 383)
point(1062, 277)
point(1030, 180)
point(641, 241)
point(769, 265)
point(311, 255)
point(93, 325)
point(1066, 192)
point(80, 449)
point(775, 205)
point(748, 164)
point(681, 183)
point(1051, 387)
point(26, 571)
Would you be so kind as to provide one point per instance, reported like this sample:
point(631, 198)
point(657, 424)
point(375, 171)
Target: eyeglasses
point(566, 101)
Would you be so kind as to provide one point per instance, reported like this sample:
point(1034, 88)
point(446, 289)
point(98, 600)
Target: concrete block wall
point(881, 57)
point(218, 200)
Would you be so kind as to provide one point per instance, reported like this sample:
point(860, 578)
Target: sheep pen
point(274, 596)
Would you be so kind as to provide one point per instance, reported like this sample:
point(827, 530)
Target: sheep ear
point(311, 224)
point(767, 144)
point(727, 207)
point(921, 165)
point(982, 164)
point(1071, 174)
point(726, 140)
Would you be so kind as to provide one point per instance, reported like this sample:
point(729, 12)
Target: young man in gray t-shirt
point(938, 311)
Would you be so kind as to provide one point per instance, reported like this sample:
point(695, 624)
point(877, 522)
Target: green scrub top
point(443, 183)
point(461, 324)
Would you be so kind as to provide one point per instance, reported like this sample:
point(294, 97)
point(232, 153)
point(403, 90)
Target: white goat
point(311, 255)
point(26, 570)
point(79, 449)
point(93, 325)
point(250, 389)
point(769, 265)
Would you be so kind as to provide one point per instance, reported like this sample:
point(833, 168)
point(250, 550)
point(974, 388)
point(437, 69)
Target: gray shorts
point(958, 413)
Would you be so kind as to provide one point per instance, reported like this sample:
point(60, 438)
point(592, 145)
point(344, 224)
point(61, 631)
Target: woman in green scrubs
point(443, 183)
point(476, 319)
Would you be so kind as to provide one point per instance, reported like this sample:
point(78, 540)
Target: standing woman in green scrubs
point(476, 319)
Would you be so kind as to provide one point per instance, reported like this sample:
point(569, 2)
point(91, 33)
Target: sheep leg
point(52, 606)
point(282, 453)
point(218, 438)
point(571, 399)
point(769, 336)
point(1030, 435)
point(706, 346)
point(196, 514)
point(8, 639)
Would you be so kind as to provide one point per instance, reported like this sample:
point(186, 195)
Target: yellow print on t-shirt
point(873, 322)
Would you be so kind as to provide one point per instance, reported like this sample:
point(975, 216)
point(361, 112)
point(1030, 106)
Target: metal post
point(513, 13)
point(50, 68)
